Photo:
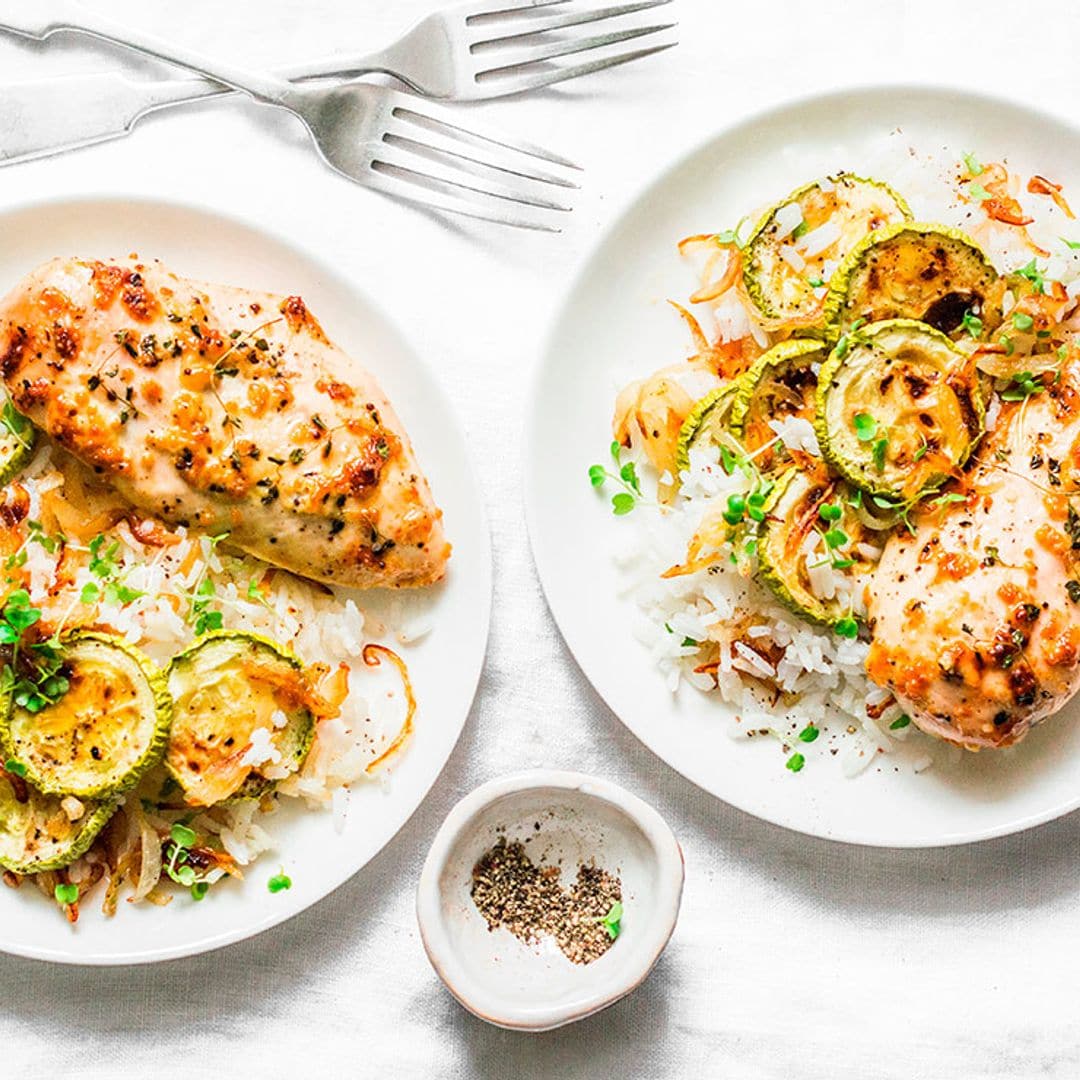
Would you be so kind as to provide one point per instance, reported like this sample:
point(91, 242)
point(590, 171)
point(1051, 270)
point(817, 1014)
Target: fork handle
point(52, 16)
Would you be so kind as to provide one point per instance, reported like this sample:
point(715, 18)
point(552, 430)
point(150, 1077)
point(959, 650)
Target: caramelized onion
point(371, 655)
point(1039, 185)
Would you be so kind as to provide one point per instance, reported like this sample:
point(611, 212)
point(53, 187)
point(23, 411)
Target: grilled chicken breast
point(975, 619)
point(223, 409)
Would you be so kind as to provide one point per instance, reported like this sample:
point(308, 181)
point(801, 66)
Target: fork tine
point(524, 82)
point(411, 107)
point(575, 18)
point(412, 186)
point(472, 156)
point(494, 9)
point(413, 156)
point(535, 54)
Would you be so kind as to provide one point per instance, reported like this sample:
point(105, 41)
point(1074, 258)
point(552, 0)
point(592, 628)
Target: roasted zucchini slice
point(109, 728)
point(780, 384)
point(37, 831)
point(706, 422)
point(811, 534)
point(912, 271)
point(782, 283)
point(17, 436)
point(899, 408)
point(241, 719)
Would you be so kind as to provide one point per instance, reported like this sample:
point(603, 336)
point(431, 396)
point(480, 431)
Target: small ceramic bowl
point(534, 987)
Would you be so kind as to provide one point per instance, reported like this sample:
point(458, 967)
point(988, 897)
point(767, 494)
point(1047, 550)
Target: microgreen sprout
point(795, 762)
point(201, 614)
point(1033, 274)
point(972, 164)
point(66, 893)
point(16, 768)
point(1022, 321)
point(809, 733)
point(1022, 385)
point(900, 723)
point(947, 499)
point(625, 475)
point(105, 566)
point(179, 867)
point(972, 323)
point(866, 427)
point(978, 192)
point(612, 921)
point(279, 882)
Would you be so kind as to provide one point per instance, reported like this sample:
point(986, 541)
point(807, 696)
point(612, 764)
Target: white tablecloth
point(794, 958)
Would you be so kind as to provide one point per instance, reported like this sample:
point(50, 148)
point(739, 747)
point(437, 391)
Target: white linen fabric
point(794, 958)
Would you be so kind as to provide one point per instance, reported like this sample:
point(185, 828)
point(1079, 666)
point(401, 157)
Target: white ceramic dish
point(445, 665)
point(615, 326)
point(534, 987)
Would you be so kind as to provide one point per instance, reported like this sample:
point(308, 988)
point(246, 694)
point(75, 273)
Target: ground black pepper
point(510, 891)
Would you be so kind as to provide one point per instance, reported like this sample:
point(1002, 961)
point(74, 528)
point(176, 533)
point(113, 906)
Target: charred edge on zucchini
point(899, 409)
point(930, 273)
point(225, 687)
point(774, 287)
point(104, 733)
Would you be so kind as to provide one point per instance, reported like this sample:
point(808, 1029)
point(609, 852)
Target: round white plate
point(445, 665)
point(615, 326)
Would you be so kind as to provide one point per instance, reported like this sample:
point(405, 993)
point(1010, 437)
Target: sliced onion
point(149, 860)
point(999, 366)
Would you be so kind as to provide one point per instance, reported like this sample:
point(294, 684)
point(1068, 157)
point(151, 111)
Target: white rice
point(819, 677)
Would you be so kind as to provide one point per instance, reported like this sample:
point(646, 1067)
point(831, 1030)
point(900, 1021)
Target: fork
point(472, 52)
point(384, 139)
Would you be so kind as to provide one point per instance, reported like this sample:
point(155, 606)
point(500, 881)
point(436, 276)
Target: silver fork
point(475, 51)
point(390, 141)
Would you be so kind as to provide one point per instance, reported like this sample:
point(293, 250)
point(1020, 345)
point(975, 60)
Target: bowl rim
point(615, 983)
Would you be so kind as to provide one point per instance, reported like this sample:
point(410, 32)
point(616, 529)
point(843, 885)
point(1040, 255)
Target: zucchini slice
point(228, 687)
point(780, 384)
point(847, 206)
point(914, 271)
point(705, 423)
point(793, 513)
point(107, 730)
point(36, 832)
point(899, 408)
point(17, 437)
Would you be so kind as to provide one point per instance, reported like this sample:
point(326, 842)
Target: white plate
point(445, 665)
point(614, 327)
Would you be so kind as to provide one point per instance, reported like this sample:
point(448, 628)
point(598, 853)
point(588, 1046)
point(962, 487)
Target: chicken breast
point(223, 409)
point(975, 619)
